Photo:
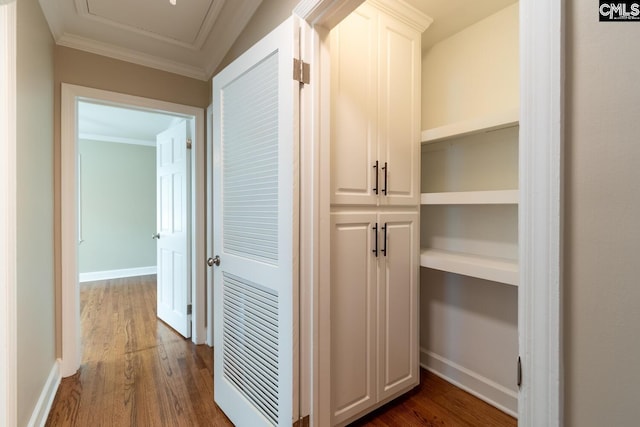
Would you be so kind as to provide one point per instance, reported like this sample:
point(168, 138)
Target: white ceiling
point(192, 37)
point(451, 16)
point(108, 123)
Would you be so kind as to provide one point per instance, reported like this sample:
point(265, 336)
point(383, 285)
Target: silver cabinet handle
point(213, 261)
point(155, 236)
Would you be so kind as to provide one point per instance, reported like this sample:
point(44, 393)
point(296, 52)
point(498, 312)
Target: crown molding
point(327, 13)
point(226, 32)
point(82, 9)
point(116, 139)
point(405, 13)
point(129, 55)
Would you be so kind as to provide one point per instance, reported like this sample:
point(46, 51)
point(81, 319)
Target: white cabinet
point(397, 302)
point(374, 197)
point(374, 309)
point(375, 110)
point(353, 314)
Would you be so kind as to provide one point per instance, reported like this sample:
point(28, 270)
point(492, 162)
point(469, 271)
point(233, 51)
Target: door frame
point(8, 219)
point(70, 351)
point(540, 400)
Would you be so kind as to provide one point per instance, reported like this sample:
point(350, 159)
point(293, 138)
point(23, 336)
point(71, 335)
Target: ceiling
point(108, 123)
point(451, 16)
point(192, 37)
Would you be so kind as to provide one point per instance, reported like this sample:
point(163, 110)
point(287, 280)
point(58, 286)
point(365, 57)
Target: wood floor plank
point(137, 371)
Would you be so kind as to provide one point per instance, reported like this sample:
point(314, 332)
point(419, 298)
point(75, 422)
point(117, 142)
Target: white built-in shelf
point(488, 268)
point(491, 122)
point(496, 197)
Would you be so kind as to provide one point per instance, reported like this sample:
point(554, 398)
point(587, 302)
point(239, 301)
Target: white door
point(356, 169)
point(255, 113)
point(399, 111)
point(173, 190)
point(398, 305)
point(355, 253)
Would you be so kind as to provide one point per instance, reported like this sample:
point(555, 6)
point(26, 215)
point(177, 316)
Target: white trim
point(8, 220)
point(70, 360)
point(404, 13)
point(326, 13)
point(540, 400)
point(540, 212)
point(205, 27)
point(198, 229)
point(117, 274)
point(470, 381)
point(130, 55)
point(48, 393)
point(209, 226)
point(495, 121)
point(116, 139)
point(204, 61)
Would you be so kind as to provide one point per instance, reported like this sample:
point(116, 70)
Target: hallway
point(135, 371)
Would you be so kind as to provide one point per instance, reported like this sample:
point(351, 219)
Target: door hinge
point(302, 422)
point(519, 373)
point(301, 71)
point(189, 309)
point(189, 144)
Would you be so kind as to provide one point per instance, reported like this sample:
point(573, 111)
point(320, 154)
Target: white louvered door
point(255, 113)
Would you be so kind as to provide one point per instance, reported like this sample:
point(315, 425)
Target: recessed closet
point(423, 152)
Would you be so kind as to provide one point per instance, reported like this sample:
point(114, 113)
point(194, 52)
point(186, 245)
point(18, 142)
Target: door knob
point(155, 236)
point(213, 261)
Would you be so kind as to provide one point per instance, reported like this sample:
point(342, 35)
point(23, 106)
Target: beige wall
point(118, 206)
point(95, 71)
point(267, 17)
point(473, 73)
point(35, 266)
point(602, 210)
point(469, 326)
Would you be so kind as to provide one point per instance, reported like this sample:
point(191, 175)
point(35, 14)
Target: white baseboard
point(41, 411)
point(117, 274)
point(483, 388)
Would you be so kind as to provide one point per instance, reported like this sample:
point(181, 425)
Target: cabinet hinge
point(519, 373)
point(301, 71)
point(189, 309)
point(189, 144)
point(302, 422)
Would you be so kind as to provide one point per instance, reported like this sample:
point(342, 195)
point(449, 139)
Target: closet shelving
point(486, 265)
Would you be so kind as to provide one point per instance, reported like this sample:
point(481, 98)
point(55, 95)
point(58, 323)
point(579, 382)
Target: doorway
point(539, 237)
point(123, 205)
point(71, 96)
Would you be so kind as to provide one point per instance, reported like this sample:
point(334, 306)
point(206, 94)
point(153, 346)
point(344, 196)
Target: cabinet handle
point(384, 240)
point(375, 237)
point(385, 169)
point(375, 189)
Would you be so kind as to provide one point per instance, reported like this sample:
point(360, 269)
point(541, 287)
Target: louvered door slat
point(255, 162)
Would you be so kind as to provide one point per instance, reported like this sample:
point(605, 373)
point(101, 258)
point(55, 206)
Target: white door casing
point(173, 228)
point(8, 219)
point(255, 107)
point(70, 304)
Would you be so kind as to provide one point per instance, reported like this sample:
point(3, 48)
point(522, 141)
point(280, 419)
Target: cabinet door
point(352, 314)
point(399, 111)
point(353, 109)
point(397, 328)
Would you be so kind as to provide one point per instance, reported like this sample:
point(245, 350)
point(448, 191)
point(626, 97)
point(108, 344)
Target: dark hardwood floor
point(136, 371)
